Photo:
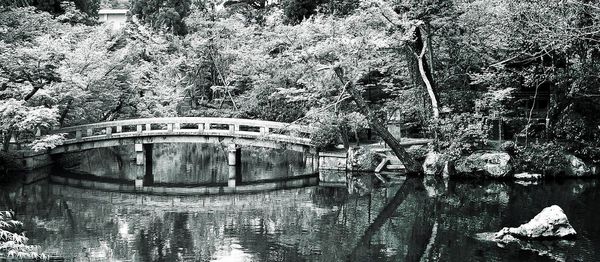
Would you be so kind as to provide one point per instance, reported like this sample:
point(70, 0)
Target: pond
point(405, 220)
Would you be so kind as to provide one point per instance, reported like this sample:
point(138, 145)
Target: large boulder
point(550, 223)
point(491, 164)
point(362, 159)
point(576, 167)
point(433, 163)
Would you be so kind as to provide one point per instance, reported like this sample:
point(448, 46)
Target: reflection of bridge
point(143, 133)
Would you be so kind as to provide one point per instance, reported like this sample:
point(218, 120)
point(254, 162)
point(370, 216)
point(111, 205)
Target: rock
point(554, 250)
point(362, 159)
point(576, 167)
point(550, 223)
point(438, 164)
point(433, 164)
point(491, 164)
point(527, 176)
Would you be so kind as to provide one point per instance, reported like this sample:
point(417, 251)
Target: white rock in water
point(550, 223)
point(431, 165)
point(527, 176)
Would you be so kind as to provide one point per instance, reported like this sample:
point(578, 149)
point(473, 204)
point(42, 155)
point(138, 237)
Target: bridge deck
point(183, 129)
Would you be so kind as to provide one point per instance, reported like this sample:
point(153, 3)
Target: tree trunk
point(344, 137)
point(425, 72)
point(64, 113)
point(6, 142)
point(30, 94)
point(390, 140)
point(410, 186)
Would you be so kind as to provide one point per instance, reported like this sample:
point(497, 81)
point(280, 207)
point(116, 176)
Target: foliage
point(13, 244)
point(47, 142)
point(547, 158)
point(297, 10)
point(325, 136)
point(460, 134)
point(15, 116)
point(163, 14)
point(272, 60)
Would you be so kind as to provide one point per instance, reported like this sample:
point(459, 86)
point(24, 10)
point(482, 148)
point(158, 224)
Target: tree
point(13, 244)
point(163, 14)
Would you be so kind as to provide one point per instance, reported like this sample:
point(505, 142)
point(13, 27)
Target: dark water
point(408, 220)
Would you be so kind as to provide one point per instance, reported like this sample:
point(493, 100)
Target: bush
point(545, 158)
point(459, 134)
point(13, 244)
point(326, 136)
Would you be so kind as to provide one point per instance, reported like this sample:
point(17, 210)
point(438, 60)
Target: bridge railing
point(185, 126)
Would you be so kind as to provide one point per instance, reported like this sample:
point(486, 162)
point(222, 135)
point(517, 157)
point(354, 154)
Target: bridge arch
point(186, 130)
point(233, 132)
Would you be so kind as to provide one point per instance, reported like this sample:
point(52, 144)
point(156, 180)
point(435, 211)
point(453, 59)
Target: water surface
point(306, 224)
point(407, 220)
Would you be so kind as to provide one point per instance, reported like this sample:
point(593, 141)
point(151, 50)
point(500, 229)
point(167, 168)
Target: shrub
point(13, 244)
point(459, 134)
point(542, 158)
point(325, 136)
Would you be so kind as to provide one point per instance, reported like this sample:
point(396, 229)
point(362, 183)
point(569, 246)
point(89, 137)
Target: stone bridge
point(144, 133)
point(186, 130)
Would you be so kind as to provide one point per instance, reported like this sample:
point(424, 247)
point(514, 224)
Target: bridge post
point(78, 135)
point(139, 154)
point(234, 155)
point(316, 160)
point(169, 127)
point(138, 129)
point(235, 177)
point(143, 157)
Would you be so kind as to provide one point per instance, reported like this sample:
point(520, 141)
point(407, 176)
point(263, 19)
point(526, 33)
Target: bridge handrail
point(175, 122)
point(187, 120)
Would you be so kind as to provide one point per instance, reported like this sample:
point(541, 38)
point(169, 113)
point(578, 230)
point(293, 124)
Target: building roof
point(112, 11)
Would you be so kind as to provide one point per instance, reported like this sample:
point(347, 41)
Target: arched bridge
point(186, 130)
point(144, 133)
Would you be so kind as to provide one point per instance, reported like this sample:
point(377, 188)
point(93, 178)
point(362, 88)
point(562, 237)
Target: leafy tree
point(163, 14)
point(296, 11)
point(13, 244)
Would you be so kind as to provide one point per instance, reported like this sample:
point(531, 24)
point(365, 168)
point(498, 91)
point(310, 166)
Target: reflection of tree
point(151, 242)
point(410, 186)
point(167, 239)
point(266, 245)
point(181, 242)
